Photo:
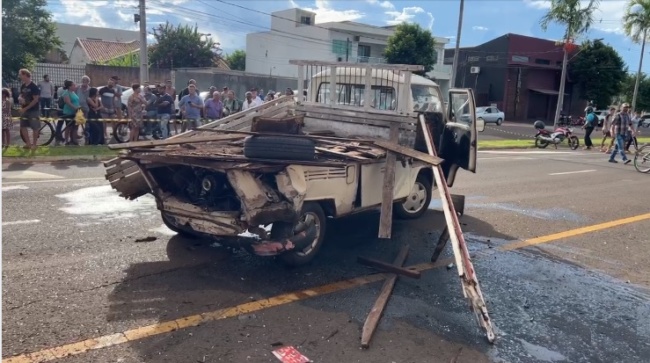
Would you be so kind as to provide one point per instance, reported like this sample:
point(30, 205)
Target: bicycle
point(642, 158)
point(47, 132)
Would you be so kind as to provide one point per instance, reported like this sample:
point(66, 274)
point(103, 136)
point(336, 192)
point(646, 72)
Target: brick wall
point(128, 75)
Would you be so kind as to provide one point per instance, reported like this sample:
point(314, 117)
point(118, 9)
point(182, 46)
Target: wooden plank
point(386, 216)
point(396, 67)
point(375, 313)
point(355, 112)
point(123, 173)
point(112, 162)
point(340, 154)
point(388, 267)
point(403, 150)
point(154, 143)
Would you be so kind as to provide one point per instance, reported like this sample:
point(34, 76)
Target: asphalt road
point(72, 271)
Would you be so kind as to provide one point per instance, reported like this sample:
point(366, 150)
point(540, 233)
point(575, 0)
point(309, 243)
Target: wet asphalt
point(72, 271)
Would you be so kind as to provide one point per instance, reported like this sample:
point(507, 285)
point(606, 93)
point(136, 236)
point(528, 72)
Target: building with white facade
point(294, 35)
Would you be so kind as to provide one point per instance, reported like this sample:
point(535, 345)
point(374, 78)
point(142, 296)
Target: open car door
point(458, 141)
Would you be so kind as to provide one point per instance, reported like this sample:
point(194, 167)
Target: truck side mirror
point(480, 125)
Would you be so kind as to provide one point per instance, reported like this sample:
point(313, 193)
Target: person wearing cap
point(186, 91)
point(622, 122)
point(231, 104)
point(210, 94)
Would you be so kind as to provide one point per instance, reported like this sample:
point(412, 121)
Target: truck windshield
point(426, 98)
point(382, 97)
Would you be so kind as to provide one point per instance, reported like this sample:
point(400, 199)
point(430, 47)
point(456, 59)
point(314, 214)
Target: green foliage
point(28, 34)
point(600, 72)
point(576, 18)
point(627, 91)
point(182, 46)
point(636, 23)
point(129, 60)
point(411, 44)
point(237, 60)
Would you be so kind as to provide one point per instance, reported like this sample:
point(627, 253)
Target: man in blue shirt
point(192, 104)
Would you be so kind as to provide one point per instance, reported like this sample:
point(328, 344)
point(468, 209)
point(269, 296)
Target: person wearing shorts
point(607, 130)
point(30, 112)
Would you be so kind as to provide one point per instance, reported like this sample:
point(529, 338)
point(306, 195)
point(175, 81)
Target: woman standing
point(136, 105)
point(70, 108)
point(7, 123)
point(95, 128)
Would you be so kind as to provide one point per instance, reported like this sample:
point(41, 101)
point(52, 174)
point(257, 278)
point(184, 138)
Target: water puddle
point(541, 353)
point(104, 203)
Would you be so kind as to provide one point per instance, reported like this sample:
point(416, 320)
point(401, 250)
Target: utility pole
point(144, 57)
point(454, 67)
point(560, 94)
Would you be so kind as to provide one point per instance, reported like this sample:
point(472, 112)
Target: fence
point(128, 75)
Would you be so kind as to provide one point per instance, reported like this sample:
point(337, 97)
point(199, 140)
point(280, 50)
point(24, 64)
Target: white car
point(490, 114)
point(601, 114)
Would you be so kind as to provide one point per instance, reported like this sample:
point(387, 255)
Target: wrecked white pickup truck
point(356, 144)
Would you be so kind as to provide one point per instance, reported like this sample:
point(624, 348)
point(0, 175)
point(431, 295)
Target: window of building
point(473, 59)
point(305, 20)
point(449, 60)
point(363, 51)
point(339, 47)
point(520, 58)
point(492, 58)
point(542, 61)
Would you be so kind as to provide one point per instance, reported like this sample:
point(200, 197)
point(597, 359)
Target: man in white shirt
point(47, 92)
point(250, 101)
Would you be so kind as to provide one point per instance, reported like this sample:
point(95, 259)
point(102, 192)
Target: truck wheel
point(178, 230)
point(311, 212)
point(279, 147)
point(417, 203)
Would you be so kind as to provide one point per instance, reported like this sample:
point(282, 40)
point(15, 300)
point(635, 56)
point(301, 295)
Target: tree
point(627, 91)
point(600, 72)
point(237, 60)
point(577, 20)
point(28, 34)
point(182, 46)
point(411, 44)
point(636, 22)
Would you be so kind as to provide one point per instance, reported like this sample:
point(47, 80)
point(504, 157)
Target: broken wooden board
point(466, 272)
point(386, 216)
point(427, 158)
point(375, 313)
point(388, 267)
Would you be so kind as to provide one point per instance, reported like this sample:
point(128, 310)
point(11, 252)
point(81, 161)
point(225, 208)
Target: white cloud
point(431, 20)
point(608, 17)
point(81, 12)
point(384, 4)
point(326, 13)
point(406, 15)
point(479, 28)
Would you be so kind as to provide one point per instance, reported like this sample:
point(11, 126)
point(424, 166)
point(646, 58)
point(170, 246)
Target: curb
point(55, 159)
point(505, 148)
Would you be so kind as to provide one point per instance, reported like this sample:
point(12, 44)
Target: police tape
point(115, 120)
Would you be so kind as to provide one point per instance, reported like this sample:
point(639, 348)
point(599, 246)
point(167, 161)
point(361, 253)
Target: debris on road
point(146, 239)
point(393, 268)
point(375, 313)
point(290, 354)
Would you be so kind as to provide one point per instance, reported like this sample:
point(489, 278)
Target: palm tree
point(637, 22)
point(577, 20)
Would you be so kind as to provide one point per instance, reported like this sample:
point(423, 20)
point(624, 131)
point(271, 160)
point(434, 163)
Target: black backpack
point(61, 101)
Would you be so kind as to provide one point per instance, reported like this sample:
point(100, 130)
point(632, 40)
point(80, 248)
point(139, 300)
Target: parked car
point(645, 121)
point(601, 114)
point(490, 114)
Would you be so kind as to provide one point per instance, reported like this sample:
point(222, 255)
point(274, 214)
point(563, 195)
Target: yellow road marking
point(278, 300)
point(573, 232)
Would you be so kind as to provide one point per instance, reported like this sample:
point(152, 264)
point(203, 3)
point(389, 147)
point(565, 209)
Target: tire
point(284, 229)
point(541, 144)
point(417, 203)
point(178, 230)
point(45, 136)
point(499, 122)
point(279, 147)
point(574, 142)
point(642, 160)
point(122, 132)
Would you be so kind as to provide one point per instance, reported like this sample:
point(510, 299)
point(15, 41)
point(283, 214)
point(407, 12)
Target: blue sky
point(229, 24)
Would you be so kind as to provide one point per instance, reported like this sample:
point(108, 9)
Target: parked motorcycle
point(544, 138)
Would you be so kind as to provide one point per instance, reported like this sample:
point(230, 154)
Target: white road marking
point(507, 158)
point(573, 172)
point(53, 181)
point(28, 174)
point(515, 152)
point(14, 187)
point(28, 221)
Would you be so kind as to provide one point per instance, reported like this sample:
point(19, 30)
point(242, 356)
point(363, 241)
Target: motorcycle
point(544, 138)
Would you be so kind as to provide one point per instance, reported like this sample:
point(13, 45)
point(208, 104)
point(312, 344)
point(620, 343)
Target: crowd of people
point(619, 126)
point(150, 109)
